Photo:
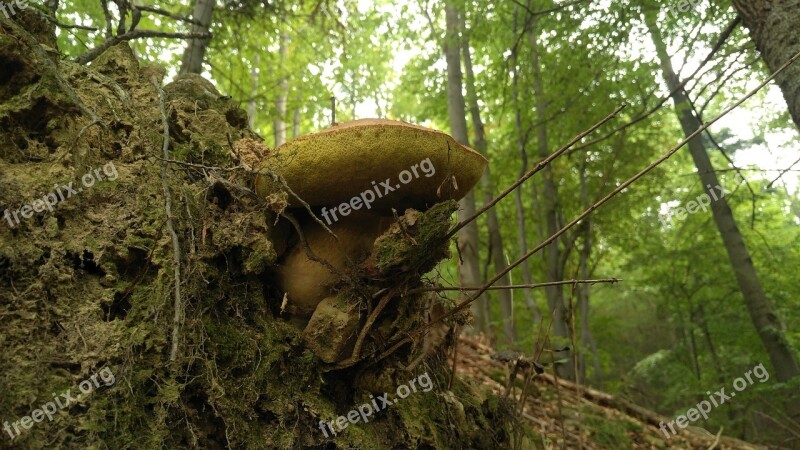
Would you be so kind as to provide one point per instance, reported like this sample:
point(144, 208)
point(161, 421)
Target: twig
point(176, 246)
point(131, 35)
point(716, 439)
point(55, 22)
point(538, 167)
point(166, 13)
point(285, 185)
point(513, 286)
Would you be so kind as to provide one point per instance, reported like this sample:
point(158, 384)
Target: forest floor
point(567, 415)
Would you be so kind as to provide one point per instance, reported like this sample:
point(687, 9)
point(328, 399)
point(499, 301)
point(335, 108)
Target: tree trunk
point(587, 341)
point(522, 232)
point(251, 105)
point(552, 253)
point(469, 273)
point(296, 119)
point(195, 52)
point(773, 25)
point(764, 319)
point(279, 123)
point(498, 253)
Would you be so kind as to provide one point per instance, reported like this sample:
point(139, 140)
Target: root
point(177, 317)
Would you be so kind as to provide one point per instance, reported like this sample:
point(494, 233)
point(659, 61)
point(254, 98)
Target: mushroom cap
point(331, 167)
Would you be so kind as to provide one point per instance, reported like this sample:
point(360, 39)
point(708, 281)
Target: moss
point(92, 284)
point(415, 244)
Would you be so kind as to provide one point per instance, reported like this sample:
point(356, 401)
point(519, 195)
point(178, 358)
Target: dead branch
point(513, 286)
point(131, 35)
point(163, 12)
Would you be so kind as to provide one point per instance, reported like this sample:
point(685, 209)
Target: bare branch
point(163, 12)
point(131, 35)
point(514, 286)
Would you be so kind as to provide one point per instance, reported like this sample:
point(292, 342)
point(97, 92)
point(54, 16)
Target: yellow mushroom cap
point(331, 167)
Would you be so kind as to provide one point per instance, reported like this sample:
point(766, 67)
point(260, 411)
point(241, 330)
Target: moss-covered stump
point(88, 285)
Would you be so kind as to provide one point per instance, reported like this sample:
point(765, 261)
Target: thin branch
point(538, 167)
point(54, 21)
point(131, 35)
point(166, 13)
point(513, 286)
point(547, 11)
point(783, 172)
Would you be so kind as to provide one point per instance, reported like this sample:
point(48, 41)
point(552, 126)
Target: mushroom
point(353, 175)
point(340, 163)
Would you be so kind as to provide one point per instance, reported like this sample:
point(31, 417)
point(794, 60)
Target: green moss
point(415, 245)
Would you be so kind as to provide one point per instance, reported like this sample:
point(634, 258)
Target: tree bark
point(279, 123)
point(251, 105)
point(296, 119)
point(552, 253)
point(522, 232)
point(764, 319)
point(498, 254)
point(469, 272)
point(587, 340)
point(773, 26)
point(195, 52)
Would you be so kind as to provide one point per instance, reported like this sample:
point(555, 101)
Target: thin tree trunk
point(552, 253)
point(773, 25)
point(279, 123)
point(251, 105)
point(195, 52)
point(469, 272)
point(296, 119)
point(523, 154)
point(764, 319)
point(498, 254)
point(587, 341)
